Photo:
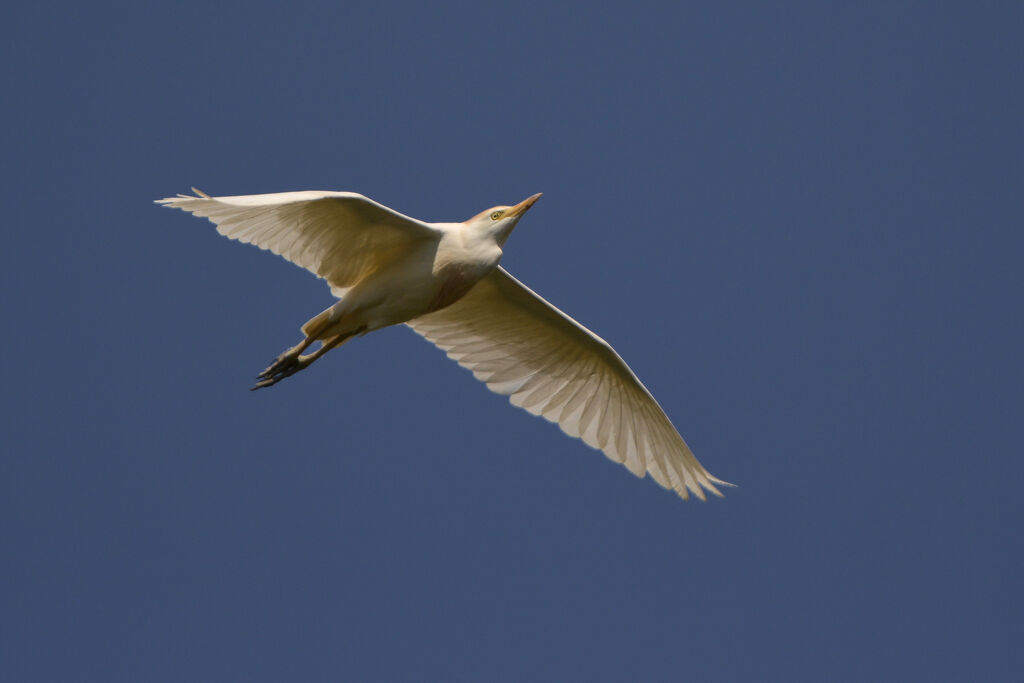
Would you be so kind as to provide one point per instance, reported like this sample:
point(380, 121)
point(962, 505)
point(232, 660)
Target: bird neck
point(499, 233)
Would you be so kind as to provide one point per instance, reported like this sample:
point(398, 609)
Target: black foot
point(286, 365)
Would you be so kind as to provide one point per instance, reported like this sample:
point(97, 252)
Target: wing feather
point(591, 419)
point(550, 365)
point(339, 236)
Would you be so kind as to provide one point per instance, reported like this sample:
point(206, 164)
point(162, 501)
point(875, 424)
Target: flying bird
point(443, 280)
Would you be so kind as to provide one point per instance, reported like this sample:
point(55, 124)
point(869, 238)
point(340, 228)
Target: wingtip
point(706, 485)
point(171, 202)
point(710, 486)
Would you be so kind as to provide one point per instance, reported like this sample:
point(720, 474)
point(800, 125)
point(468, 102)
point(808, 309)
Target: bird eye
point(496, 215)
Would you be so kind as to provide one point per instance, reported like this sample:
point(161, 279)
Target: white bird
point(443, 280)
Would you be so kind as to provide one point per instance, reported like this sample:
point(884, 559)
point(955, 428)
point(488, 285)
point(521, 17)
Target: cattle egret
point(443, 280)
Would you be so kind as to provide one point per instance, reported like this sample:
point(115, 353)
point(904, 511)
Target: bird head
point(499, 220)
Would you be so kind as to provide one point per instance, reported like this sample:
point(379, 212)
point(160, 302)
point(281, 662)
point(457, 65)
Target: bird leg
point(293, 360)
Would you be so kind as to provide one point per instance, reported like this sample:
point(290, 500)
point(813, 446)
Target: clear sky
point(800, 223)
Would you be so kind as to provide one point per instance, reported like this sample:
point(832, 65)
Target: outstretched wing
point(340, 236)
point(547, 363)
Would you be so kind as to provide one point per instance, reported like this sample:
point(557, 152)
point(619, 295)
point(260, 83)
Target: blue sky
point(800, 223)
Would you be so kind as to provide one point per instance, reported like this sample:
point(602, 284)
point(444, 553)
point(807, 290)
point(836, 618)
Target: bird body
point(444, 281)
point(465, 254)
point(434, 275)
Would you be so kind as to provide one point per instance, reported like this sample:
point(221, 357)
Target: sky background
point(800, 223)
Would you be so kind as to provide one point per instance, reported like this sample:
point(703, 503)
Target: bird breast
point(462, 260)
point(453, 285)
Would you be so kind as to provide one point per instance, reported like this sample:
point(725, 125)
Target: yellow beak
point(520, 208)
